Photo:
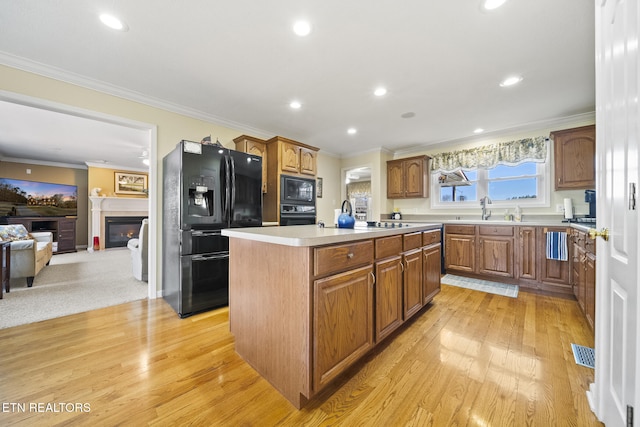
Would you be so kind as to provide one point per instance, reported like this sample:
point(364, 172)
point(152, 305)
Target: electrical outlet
point(560, 208)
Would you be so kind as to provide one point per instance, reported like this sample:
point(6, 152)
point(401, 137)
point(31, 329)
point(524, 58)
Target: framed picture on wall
point(319, 188)
point(130, 183)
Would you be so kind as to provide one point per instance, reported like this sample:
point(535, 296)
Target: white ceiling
point(238, 64)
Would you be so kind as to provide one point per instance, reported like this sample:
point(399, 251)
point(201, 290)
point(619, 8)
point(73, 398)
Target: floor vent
point(584, 356)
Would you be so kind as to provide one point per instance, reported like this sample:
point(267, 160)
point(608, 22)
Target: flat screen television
point(32, 198)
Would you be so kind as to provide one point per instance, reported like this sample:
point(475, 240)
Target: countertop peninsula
point(313, 235)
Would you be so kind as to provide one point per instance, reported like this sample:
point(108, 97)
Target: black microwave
point(297, 190)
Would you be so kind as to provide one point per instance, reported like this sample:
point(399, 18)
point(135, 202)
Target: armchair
point(30, 252)
point(139, 252)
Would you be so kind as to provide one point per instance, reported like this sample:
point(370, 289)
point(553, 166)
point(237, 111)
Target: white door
point(617, 387)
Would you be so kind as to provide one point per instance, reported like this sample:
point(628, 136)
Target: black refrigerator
point(205, 188)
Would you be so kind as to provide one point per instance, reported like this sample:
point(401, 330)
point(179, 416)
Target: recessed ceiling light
point(510, 81)
point(381, 91)
point(492, 4)
point(302, 28)
point(478, 130)
point(295, 105)
point(352, 131)
point(113, 22)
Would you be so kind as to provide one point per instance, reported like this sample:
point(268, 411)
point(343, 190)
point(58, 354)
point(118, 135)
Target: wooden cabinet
point(554, 274)
point(495, 251)
point(431, 264)
point(320, 310)
point(460, 248)
point(574, 157)
point(513, 254)
point(408, 178)
point(583, 277)
point(255, 146)
point(388, 304)
point(342, 322)
point(285, 157)
point(526, 262)
point(63, 230)
point(294, 158)
point(412, 282)
point(590, 289)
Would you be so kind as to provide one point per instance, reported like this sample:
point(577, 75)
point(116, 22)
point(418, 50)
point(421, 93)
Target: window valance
point(488, 156)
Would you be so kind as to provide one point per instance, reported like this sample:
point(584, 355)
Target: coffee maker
point(590, 197)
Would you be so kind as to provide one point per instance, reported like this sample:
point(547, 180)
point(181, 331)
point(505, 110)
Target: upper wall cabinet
point(574, 151)
point(255, 146)
point(294, 157)
point(408, 178)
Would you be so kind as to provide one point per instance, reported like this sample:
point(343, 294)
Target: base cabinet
point(63, 230)
point(342, 322)
point(514, 254)
point(412, 282)
point(431, 267)
point(388, 296)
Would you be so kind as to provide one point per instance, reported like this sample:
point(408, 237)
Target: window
point(523, 184)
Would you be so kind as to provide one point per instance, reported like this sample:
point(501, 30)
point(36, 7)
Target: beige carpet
point(72, 283)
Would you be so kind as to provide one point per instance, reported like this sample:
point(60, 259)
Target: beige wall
point(57, 175)
point(104, 179)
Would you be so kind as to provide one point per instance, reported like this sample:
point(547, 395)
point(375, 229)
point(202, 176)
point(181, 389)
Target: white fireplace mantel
point(104, 206)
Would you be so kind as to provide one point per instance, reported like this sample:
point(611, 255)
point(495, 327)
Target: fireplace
point(120, 229)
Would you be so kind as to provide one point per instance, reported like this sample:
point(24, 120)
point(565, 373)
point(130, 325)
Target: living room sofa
point(30, 252)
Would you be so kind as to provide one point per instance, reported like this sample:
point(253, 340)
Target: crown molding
point(560, 123)
point(42, 163)
point(109, 89)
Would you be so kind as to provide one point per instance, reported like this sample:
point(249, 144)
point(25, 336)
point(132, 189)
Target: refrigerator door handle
point(233, 187)
point(225, 210)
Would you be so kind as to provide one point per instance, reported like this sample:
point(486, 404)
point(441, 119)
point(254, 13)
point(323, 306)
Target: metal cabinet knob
point(604, 233)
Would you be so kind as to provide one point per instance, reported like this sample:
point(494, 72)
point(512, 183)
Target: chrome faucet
point(484, 202)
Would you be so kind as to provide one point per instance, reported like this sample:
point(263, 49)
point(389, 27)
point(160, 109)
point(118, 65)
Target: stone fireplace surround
point(102, 207)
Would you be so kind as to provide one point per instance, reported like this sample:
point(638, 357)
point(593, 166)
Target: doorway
point(358, 191)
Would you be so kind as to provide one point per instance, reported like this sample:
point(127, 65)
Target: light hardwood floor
point(470, 358)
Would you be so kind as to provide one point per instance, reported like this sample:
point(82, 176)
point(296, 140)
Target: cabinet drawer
point(411, 241)
point(388, 246)
point(460, 229)
point(336, 258)
point(431, 237)
point(495, 230)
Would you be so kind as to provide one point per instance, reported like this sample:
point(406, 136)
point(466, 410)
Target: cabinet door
point(574, 152)
point(290, 157)
point(495, 256)
point(412, 282)
point(395, 180)
point(526, 265)
point(578, 279)
point(552, 272)
point(308, 162)
point(459, 252)
point(431, 267)
point(388, 296)
point(342, 322)
point(590, 289)
point(414, 178)
point(66, 235)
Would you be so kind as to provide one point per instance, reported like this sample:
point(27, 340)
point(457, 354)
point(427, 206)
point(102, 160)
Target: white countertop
point(312, 235)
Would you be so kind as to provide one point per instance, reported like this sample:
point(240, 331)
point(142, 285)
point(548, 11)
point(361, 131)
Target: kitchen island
point(305, 302)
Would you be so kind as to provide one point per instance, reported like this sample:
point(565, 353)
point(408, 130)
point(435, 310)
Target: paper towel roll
point(568, 209)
